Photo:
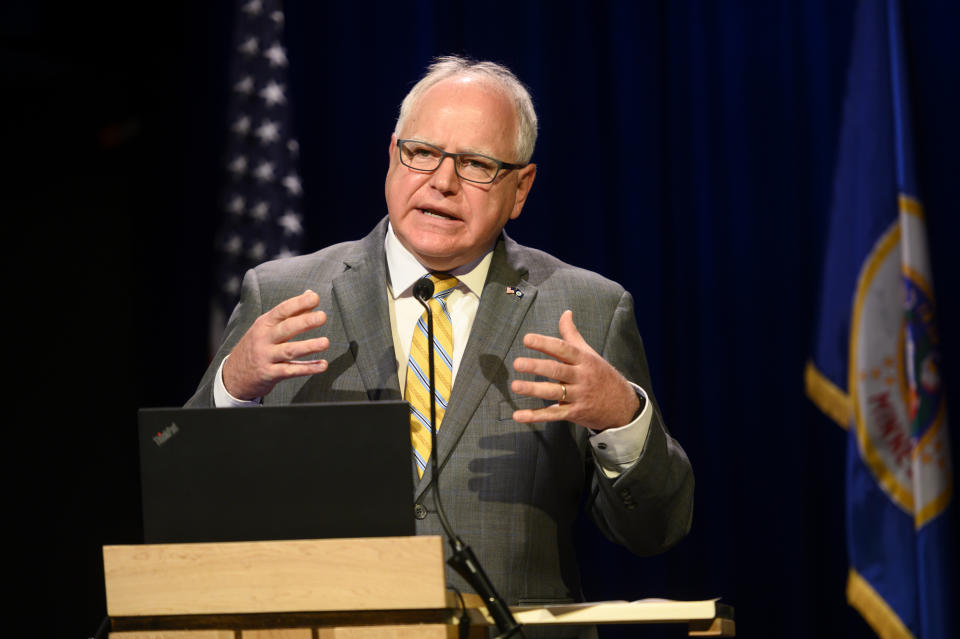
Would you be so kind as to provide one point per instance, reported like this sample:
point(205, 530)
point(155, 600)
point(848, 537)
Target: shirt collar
point(403, 269)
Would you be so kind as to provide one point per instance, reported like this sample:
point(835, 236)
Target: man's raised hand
point(587, 389)
point(265, 355)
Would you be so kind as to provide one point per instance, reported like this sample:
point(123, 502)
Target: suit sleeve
point(649, 507)
point(244, 314)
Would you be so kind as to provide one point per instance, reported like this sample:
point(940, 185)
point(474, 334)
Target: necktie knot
point(442, 283)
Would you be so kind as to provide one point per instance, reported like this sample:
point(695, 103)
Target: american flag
point(262, 214)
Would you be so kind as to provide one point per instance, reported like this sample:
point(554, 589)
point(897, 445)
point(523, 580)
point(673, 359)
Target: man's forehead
point(484, 107)
point(464, 88)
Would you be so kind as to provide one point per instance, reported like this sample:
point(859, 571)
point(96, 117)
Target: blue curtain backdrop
point(686, 150)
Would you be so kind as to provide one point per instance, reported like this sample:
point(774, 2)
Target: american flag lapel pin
point(514, 291)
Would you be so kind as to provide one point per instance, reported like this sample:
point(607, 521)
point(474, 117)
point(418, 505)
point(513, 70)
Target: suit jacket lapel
point(362, 302)
point(494, 330)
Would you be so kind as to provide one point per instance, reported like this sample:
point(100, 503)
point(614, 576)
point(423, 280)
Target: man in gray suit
point(518, 448)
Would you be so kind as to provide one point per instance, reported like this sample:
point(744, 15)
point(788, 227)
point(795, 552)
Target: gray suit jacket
point(511, 491)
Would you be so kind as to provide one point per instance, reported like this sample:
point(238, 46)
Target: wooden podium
point(376, 588)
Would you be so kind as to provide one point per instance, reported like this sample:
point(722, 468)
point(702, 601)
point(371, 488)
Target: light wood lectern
point(376, 588)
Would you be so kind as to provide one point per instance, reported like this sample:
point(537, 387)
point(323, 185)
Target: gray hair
point(501, 77)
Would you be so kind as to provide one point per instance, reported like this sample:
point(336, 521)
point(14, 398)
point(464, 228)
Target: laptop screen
point(305, 471)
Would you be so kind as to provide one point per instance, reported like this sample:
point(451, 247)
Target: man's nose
point(445, 178)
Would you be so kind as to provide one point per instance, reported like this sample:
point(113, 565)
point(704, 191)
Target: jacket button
point(419, 511)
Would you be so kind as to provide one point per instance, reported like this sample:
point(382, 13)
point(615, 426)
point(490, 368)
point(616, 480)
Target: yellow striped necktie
point(417, 391)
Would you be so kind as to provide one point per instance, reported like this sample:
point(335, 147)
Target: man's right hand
point(265, 355)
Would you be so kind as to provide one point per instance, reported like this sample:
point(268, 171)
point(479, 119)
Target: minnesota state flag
point(876, 363)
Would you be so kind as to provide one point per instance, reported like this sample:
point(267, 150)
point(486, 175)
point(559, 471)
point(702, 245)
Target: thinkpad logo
point(162, 436)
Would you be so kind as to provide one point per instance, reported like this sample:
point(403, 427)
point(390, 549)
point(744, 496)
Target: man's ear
point(525, 177)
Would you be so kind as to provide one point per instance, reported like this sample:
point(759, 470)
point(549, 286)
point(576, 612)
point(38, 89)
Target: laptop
point(305, 471)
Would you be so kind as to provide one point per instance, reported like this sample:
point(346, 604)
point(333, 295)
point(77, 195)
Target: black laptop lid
point(276, 472)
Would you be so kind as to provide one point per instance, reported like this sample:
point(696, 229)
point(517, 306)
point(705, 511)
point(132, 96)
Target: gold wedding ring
point(563, 393)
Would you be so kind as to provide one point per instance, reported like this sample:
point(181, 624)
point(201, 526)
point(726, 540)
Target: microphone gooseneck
point(423, 291)
point(462, 558)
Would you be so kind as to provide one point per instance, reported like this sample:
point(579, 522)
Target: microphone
point(462, 558)
point(423, 291)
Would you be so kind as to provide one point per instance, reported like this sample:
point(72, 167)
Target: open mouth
point(437, 214)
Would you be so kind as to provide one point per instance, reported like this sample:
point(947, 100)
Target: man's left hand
point(597, 395)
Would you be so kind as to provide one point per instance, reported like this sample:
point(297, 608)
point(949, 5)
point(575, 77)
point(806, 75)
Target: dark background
point(686, 150)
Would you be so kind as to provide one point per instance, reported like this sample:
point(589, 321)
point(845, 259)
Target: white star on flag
point(264, 172)
point(292, 182)
point(232, 285)
point(236, 205)
point(284, 252)
point(257, 252)
point(250, 46)
point(253, 7)
point(291, 223)
point(242, 126)
point(272, 94)
point(234, 245)
point(238, 166)
point(276, 55)
point(293, 146)
point(260, 211)
point(268, 132)
point(244, 86)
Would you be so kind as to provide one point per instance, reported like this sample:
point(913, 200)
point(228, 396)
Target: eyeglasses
point(472, 167)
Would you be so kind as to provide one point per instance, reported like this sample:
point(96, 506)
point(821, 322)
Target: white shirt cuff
point(223, 399)
point(617, 449)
